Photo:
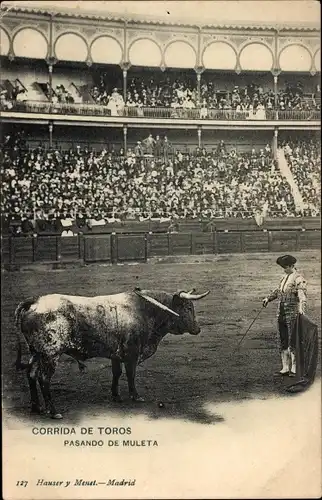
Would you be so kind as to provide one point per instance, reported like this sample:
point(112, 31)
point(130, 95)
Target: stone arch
point(113, 48)
point(295, 57)
point(30, 42)
point(75, 47)
point(139, 57)
point(224, 58)
point(4, 42)
point(180, 54)
point(317, 60)
point(256, 56)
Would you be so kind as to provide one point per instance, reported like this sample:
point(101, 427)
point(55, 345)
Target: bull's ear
point(176, 299)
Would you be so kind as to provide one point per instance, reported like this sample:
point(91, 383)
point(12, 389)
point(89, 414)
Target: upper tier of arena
point(215, 72)
point(72, 35)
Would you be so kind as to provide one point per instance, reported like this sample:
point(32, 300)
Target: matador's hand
point(265, 302)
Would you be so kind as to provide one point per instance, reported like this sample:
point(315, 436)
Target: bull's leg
point(130, 368)
point(32, 375)
point(47, 369)
point(82, 367)
point(117, 372)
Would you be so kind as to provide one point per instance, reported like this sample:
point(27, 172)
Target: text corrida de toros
point(55, 431)
point(89, 431)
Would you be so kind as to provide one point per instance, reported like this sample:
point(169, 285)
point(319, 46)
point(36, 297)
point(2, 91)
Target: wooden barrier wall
point(189, 225)
point(113, 248)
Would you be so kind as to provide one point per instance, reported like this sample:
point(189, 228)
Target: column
point(199, 70)
point(125, 138)
point(51, 127)
point(125, 85)
point(199, 137)
point(276, 94)
point(51, 58)
point(198, 89)
point(50, 82)
point(125, 66)
point(275, 143)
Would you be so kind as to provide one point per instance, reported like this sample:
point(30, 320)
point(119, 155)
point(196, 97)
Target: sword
point(248, 330)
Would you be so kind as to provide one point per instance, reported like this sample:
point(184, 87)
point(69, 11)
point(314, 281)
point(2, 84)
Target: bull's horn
point(156, 303)
point(190, 296)
point(191, 291)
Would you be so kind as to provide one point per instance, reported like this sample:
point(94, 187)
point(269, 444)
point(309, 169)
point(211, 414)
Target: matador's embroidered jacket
point(292, 292)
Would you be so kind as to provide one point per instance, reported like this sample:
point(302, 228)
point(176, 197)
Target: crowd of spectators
point(304, 160)
point(251, 101)
point(164, 92)
point(62, 95)
point(96, 187)
point(9, 96)
point(256, 100)
point(174, 93)
point(292, 98)
point(148, 91)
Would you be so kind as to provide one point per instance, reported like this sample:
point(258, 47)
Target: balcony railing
point(160, 112)
point(196, 114)
point(61, 108)
point(314, 114)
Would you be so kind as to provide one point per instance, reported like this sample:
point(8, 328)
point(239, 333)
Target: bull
point(125, 327)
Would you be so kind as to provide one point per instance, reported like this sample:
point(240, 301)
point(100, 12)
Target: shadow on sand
point(182, 396)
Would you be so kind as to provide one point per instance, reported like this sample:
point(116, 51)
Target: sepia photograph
point(161, 249)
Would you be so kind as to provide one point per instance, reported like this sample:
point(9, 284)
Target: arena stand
point(304, 159)
point(152, 96)
point(179, 137)
point(89, 188)
point(102, 90)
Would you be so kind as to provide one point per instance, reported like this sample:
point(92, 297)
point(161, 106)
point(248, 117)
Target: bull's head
point(181, 309)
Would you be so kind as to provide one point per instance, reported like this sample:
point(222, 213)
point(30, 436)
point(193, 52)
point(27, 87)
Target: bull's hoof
point(56, 416)
point(138, 399)
point(38, 410)
point(117, 398)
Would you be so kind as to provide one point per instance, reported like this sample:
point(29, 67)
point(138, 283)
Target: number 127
point(22, 483)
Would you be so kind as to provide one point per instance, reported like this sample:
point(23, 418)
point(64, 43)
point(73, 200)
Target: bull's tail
point(21, 309)
point(19, 364)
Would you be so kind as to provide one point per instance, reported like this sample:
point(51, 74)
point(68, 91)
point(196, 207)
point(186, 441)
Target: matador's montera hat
point(286, 260)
